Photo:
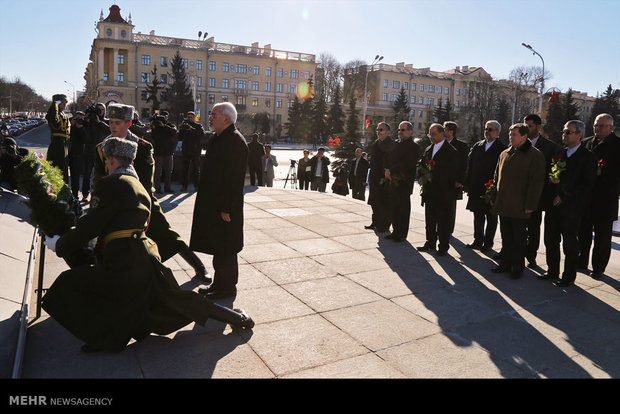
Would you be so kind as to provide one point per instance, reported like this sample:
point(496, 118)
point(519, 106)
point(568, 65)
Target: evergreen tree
point(152, 90)
point(335, 119)
point(293, 125)
point(180, 99)
point(502, 115)
point(305, 119)
point(319, 121)
point(401, 107)
point(560, 111)
point(443, 114)
point(605, 104)
point(351, 139)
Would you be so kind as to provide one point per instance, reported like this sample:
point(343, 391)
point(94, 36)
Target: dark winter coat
point(605, 191)
point(377, 193)
point(222, 178)
point(480, 169)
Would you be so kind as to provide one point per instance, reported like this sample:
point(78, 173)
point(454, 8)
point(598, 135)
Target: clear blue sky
point(577, 39)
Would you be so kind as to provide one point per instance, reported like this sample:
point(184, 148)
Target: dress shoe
point(497, 256)
point(562, 283)
point(532, 264)
point(547, 276)
point(500, 269)
point(486, 247)
point(246, 321)
point(442, 252)
point(474, 245)
point(516, 274)
point(425, 248)
point(203, 277)
point(370, 227)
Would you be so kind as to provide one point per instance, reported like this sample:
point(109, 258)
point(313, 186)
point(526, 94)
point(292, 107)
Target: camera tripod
point(292, 174)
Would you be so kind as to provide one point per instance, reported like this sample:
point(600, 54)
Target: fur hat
point(59, 97)
point(120, 148)
point(120, 111)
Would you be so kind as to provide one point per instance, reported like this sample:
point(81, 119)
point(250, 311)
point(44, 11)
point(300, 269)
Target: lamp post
point(374, 62)
point(542, 78)
point(514, 99)
point(68, 83)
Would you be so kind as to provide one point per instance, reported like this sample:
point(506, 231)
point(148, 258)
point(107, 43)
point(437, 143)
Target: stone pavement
point(333, 300)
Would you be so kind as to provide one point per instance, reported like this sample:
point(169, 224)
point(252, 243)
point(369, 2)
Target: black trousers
point(191, 161)
point(481, 234)
point(256, 175)
point(603, 230)
point(438, 220)
point(359, 191)
point(565, 228)
point(401, 212)
point(514, 238)
point(533, 235)
point(226, 271)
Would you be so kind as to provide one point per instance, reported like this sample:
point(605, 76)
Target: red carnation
point(430, 162)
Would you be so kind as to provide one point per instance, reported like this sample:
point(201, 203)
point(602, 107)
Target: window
point(279, 87)
point(184, 61)
point(224, 98)
point(108, 32)
point(199, 98)
point(290, 103)
point(268, 71)
point(420, 114)
point(212, 65)
point(146, 59)
point(385, 96)
point(421, 87)
point(254, 85)
point(211, 98)
point(256, 70)
point(121, 59)
point(241, 68)
point(164, 61)
point(447, 91)
point(268, 103)
point(199, 64)
point(224, 83)
point(292, 88)
point(294, 73)
point(396, 84)
point(278, 103)
point(254, 101)
point(458, 91)
point(199, 81)
point(145, 77)
point(421, 101)
point(278, 118)
point(241, 100)
point(267, 86)
point(456, 104)
point(164, 78)
point(120, 77)
point(406, 85)
point(430, 101)
point(144, 95)
point(212, 82)
point(240, 83)
point(394, 97)
point(224, 67)
point(385, 84)
point(413, 86)
point(123, 33)
point(439, 89)
point(280, 72)
point(413, 98)
point(431, 88)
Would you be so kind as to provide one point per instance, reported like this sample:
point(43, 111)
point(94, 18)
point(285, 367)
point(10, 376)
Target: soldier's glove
point(50, 242)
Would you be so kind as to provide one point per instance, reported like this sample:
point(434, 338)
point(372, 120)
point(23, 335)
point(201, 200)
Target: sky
point(47, 43)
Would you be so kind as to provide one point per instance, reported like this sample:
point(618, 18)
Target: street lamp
point(514, 99)
point(374, 62)
point(68, 83)
point(542, 88)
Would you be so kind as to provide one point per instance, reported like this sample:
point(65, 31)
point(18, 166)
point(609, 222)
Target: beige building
point(255, 79)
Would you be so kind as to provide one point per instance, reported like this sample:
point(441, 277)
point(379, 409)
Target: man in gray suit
point(268, 162)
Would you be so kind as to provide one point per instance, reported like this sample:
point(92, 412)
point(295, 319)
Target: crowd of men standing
point(573, 185)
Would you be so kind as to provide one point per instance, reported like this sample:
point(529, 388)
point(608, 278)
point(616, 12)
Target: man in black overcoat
point(255, 156)
point(358, 172)
point(217, 226)
point(319, 171)
point(462, 148)
point(400, 170)
point(378, 194)
point(439, 193)
point(571, 187)
point(548, 149)
point(604, 197)
point(481, 164)
point(191, 133)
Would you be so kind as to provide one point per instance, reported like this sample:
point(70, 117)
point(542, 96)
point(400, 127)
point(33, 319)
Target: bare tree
point(328, 75)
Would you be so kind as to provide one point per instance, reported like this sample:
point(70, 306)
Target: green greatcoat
point(168, 241)
point(130, 293)
point(58, 150)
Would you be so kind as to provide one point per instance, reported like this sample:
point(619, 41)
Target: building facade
point(255, 79)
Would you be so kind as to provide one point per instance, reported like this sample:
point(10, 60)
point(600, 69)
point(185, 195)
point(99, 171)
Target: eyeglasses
point(402, 130)
point(380, 129)
point(568, 132)
point(602, 125)
point(489, 129)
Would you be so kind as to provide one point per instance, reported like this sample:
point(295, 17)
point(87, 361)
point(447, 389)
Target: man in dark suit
point(548, 149)
point(319, 171)
point(400, 169)
point(358, 171)
point(571, 187)
point(377, 194)
point(604, 197)
point(439, 193)
point(462, 148)
point(255, 157)
point(481, 164)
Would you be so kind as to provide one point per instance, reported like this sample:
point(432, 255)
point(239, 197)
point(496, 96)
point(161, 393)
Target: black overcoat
point(605, 191)
point(480, 169)
point(222, 179)
point(440, 192)
point(377, 193)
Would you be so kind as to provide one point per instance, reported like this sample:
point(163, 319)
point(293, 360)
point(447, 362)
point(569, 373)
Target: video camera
point(293, 162)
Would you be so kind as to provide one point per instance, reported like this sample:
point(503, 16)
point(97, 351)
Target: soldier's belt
point(60, 134)
point(123, 234)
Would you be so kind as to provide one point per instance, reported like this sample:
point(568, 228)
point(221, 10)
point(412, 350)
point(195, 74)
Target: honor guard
point(58, 150)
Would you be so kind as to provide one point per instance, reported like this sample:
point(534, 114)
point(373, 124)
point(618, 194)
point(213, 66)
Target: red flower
point(430, 162)
point(602, 163)
point(557, 156)
point(489, 183)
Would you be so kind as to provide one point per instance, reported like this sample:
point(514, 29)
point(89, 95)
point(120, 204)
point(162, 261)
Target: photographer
point(163, 134)
point(303, 171)
point(268, 162)
point(77, 138)
point(10, 156)
point(95, 129)
point(138, 127)
point(191, 133)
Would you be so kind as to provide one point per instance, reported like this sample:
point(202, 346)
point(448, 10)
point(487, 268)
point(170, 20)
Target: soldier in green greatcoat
point(58, 121)
point(129, 293)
